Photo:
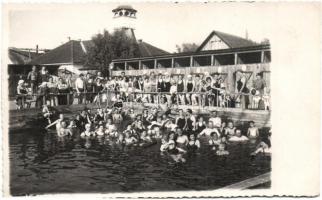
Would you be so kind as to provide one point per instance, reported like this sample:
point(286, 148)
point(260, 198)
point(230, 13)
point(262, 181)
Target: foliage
point(108, 46)
point(187, 47)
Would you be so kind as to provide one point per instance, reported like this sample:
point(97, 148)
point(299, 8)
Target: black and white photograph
point(139, 97)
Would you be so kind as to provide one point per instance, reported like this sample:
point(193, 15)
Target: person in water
point(193, 144)
point(181, 120)
point(100, 131)
point(238, 137)
point(182, 140)
point(64, 130)
point(57, 123)
point(214, 140)
point(229, 131)
point(252, 131)
point(209, 130)
point(176, 153)
point(47, 112)
point(264, 147)
point(87, 133)
point(222, 150)
point(200, 125)
point(129, 139)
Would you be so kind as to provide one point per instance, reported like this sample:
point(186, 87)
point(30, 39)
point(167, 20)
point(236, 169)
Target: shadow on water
point(42, 163)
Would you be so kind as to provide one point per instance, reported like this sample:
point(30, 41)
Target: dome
point(124, 7)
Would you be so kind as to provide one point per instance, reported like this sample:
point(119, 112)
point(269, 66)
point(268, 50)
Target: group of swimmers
point(179, 132)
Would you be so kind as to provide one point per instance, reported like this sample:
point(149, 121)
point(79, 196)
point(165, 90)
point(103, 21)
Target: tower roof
point(124, 7)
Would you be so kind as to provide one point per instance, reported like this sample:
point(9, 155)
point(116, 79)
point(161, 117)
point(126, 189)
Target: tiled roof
point(20, 57)
point(75, 52)
point(70, 52)
point(232, 41)
point(147, 49)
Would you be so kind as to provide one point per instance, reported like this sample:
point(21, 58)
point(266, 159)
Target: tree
point(106, 47)
point(187, 47)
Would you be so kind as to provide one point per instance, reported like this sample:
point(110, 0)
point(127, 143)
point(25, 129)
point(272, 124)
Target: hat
point(20, 82)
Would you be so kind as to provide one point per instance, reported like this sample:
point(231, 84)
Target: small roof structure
point(232, 41)
point(124, 7)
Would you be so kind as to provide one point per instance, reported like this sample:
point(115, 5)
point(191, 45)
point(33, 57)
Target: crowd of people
point(201, 90)
point(177, 132)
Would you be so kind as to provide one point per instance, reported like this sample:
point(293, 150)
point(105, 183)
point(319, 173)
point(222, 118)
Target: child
point(230, 129)
point(238, 137)
point(21, 91)
point(222, 150)
point(252, 132)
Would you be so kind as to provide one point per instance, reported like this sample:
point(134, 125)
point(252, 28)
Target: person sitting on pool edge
point(238, 137)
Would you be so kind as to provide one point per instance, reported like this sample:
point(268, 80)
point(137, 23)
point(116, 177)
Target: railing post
point(235, 59)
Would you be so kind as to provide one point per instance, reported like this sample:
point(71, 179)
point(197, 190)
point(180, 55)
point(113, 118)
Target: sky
point(161, 24)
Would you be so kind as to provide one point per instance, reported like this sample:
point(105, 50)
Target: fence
point(219, 98)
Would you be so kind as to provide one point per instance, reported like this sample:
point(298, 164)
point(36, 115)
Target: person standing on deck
point(154, 89)
point(259, 83)
point(44, 76)
point(181, 88)
point(242, 88)
point(189, 88)
point(33, 77)
point(80, 88)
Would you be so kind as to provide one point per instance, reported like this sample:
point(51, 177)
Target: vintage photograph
point(142, 97)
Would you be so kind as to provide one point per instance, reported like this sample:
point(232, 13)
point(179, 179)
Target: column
point(212, 60)
point(235, 59)
point(262, 56)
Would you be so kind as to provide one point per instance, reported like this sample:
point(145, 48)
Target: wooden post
point(191, 61)
point(212, 60)
point(125, 67)
point(68, 96)
point(262, 56)
point(172, 62)
point(140, 64)
point(235, 59)
point(155, 64)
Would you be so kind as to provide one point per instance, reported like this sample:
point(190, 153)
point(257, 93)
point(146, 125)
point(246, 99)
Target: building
point(219, 54)
point(71, 56)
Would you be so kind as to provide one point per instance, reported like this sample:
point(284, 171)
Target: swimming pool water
point(41, 163)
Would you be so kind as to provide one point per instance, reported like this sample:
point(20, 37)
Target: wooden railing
point(235, 100)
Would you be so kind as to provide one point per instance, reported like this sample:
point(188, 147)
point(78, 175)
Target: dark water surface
point(42, 163)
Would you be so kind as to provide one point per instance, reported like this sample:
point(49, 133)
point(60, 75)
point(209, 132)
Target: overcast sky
point(161, 24)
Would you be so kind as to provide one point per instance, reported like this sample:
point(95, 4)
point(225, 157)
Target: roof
point(147, 50)
point(255, 48)
point(20, 57)
point(124, 7)
point(232, 41)
point(74, 52)
point(71, 52)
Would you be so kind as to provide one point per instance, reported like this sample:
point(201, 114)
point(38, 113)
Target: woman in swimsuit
point(193, 144)
point(190, 88)
point(180, 88)
point(200, 125)
point(182, 140)
point(181, 120)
